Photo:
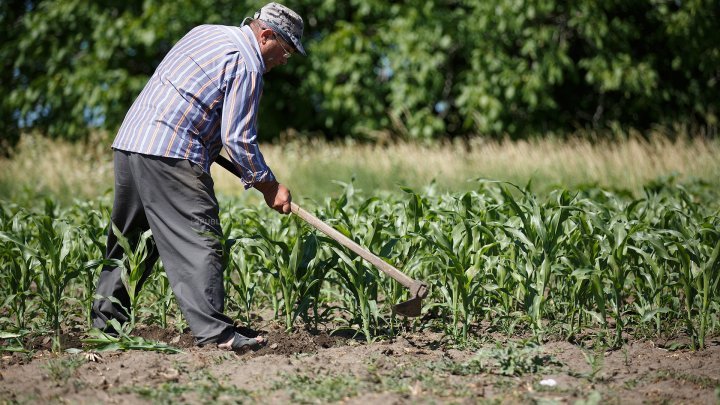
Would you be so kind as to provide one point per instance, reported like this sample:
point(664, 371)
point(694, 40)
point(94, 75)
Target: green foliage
point(513, 359)
point(102, 342)
point(544, 64)
point(411, 69)
point(10, 14)
point(596, 361)
point(318, 388)
point(58, 257)
point(133, 266)
point(202, 384)
point(77, 65)
point(572, 263)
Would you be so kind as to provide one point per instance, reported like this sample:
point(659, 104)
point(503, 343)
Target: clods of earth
point(318, 367)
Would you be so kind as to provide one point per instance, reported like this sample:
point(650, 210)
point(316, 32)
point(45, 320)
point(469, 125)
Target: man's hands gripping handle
point(276, 195)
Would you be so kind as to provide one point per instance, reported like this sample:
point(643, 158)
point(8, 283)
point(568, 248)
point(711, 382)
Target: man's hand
point(276, 196)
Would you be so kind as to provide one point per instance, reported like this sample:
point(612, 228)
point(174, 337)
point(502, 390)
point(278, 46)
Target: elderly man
point(203, 96)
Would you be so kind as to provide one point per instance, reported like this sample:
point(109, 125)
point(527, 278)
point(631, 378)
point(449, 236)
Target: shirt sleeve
point(239, 127)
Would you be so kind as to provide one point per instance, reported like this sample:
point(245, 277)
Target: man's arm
point(239, 132)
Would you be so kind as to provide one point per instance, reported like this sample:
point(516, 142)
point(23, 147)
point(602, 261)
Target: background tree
point(11, 13)
point(411, 69)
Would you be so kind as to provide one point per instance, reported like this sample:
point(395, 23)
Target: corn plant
point(59, 262)
point(242, 278)
point(698, 282)
point(101, 341)
point(363, 291)
point(359, 284)
point(499, 257)
point(294, 272)
point(710, 282)
point(243, 275)
point(94, 233)
point(457, 261)
point(388, 230)
point(18, 276)
point(236, 278)
point(160, 295)
point(133, 267)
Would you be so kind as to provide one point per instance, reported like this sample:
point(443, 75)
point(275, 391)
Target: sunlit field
point(312, 169)
point(542, 258)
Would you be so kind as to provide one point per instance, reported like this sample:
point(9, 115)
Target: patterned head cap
point(285, 22)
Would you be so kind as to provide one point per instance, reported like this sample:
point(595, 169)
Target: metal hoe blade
point(411, 308)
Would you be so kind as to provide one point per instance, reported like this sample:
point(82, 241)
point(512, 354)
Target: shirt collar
point(248, 31)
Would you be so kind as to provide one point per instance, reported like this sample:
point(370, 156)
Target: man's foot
point(242, 343)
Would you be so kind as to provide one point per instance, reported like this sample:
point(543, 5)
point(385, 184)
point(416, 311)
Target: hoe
point(418, 289)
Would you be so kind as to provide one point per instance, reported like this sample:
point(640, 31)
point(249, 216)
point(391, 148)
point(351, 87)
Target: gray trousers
point(174, 198)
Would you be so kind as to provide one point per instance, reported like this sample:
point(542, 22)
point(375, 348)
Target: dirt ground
point(317, 368)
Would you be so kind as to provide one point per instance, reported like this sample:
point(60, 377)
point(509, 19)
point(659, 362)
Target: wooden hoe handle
point(391, 271)
point(417, 288)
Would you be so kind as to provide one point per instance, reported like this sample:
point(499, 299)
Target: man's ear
point(266, 34)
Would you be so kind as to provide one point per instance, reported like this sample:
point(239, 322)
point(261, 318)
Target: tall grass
point(311, 168)
point(619, 165)
point(44, 167)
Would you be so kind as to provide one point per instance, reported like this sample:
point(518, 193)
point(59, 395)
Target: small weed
point(630, 384)
point(471, 343)
point(203, 384)
point(595, 361)
point(626, 356)
point(79, 385)
point(699, 380)
point(180, 366)
point(305, 388)
point(423, 377)
point(510, 360)
point(222, 358)
point(594, 398)
point(470, 367)
point(61, 369)
point(513, 359)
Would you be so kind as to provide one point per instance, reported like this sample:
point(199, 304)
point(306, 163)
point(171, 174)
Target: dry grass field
point(312, 168)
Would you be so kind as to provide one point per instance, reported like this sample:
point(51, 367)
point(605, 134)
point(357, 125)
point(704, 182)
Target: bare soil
point(317, 367)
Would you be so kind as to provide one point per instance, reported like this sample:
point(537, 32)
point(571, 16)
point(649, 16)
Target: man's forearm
point(266, 187)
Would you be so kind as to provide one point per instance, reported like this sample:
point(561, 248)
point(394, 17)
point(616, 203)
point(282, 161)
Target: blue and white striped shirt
point(204, 95)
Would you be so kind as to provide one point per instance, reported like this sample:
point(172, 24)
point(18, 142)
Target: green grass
point(482, 378)
point(61, 369)
point(318, 388)
point(200, 386)
point(698, 380)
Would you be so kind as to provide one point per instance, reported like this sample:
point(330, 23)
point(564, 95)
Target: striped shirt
point(204, 95)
